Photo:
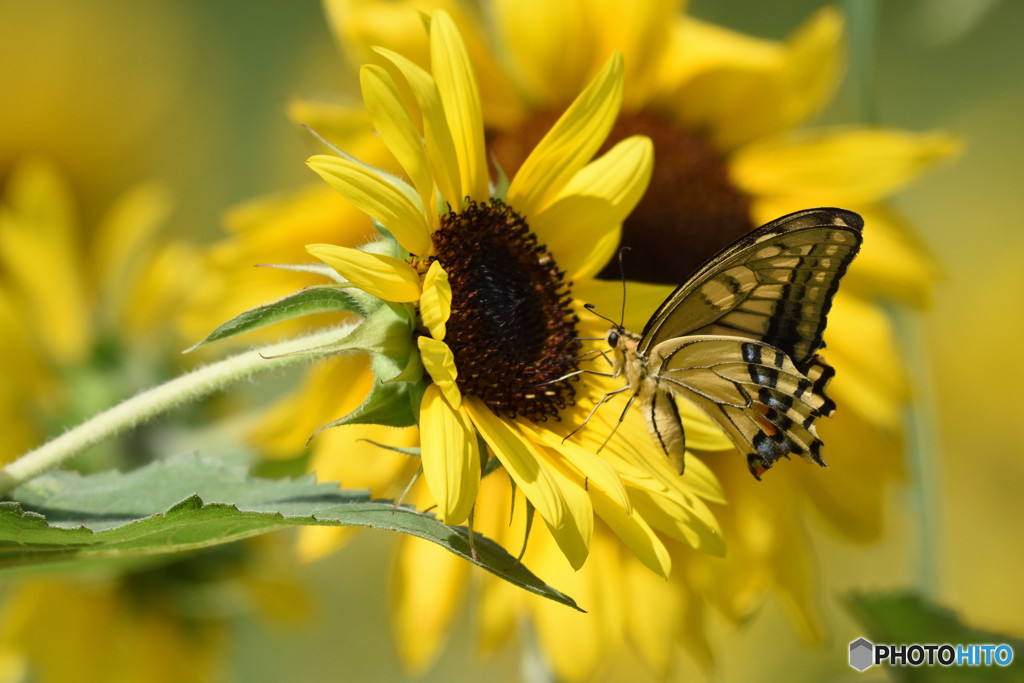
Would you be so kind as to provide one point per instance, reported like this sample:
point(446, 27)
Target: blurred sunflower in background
point(83, 314)
point(722, 109)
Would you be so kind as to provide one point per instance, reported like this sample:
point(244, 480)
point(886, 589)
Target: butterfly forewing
point(775, 285)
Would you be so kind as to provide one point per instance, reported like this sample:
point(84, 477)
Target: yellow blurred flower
point(722, 110)
point(82, 309)
point(84, 314)
point(68, 67)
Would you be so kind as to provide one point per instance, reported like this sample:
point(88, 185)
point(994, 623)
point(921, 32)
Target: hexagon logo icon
point(862, 654)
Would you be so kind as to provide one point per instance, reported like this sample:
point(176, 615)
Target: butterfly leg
point(575, 373)
point(594, 410)
point(600, 352)
point(593, 354)
point(625, 411)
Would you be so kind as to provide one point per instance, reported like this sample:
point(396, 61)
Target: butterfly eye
point(613, 339)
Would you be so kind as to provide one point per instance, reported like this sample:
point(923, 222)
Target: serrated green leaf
point(317, 299)
point(905, 618)
point(190, 502)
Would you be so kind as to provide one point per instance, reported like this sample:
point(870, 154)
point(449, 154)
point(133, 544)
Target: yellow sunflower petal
point(460, 97)
point(552, 45)
point(641, 32)
point(283, 429)
point(853, 502)
point(357, 25)
point(838, 166)
point(436, 301)
point(571, 142)
point(531, 474)
point(634, 531)
point(813, 66)
point(654, 621)
point(500, 515)
point(684, 518)
point(396, 128)
point(893, 262)
point(427, 588)
point(271, 229)
point(670, 503)
point(634, 459)
point(444, 160)
point(383, 276)
point(450, 457)
point(739, 88)
point(697, 46)
point(574, 536)
point(379, 198)
point(439, 363)
point(582, 227)
point(597, 471)
point(576, 644)
point(870, 376)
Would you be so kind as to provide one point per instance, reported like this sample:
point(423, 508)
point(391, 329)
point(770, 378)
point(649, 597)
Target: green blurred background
point(193, 93)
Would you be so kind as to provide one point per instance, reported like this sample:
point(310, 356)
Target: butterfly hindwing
point(664, 425)
point(766, 405)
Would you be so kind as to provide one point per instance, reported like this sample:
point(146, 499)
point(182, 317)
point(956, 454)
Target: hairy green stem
point(189, 387)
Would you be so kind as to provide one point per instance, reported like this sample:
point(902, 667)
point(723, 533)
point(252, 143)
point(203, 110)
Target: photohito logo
point(864, 654)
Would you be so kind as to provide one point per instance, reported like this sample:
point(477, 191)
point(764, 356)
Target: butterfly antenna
point(590, 307)
point(622, 273)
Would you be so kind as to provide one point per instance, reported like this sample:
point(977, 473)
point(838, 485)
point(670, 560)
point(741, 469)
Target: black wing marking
point(765, 404)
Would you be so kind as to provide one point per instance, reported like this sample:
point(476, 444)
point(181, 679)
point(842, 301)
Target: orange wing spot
point(766, 426)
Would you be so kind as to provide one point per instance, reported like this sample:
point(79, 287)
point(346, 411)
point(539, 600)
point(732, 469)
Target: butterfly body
point(740, 338)
point(659, 409)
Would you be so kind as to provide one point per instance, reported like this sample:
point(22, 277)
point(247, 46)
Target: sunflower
point(722, 109)
point(83, 316)
point(496, 323)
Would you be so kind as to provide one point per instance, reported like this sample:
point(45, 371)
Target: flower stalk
point(148, 404)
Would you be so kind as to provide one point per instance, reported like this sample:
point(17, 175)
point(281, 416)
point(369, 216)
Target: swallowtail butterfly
point(740, 340)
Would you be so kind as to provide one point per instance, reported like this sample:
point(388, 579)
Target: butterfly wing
point(740, 337)
point(764, 403)
point(775, 285)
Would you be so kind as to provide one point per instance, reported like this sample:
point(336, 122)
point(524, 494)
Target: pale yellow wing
point(755, 392)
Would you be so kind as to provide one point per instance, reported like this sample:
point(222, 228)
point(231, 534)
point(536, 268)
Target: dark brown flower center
point(690, 211)
point(511, 330)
